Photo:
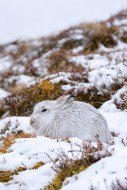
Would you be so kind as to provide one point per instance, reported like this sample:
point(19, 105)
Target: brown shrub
point(99, 33)
point(21, 103)
point(66, 167)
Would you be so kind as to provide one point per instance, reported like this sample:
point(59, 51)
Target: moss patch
point(6, 176)
point(38, 165)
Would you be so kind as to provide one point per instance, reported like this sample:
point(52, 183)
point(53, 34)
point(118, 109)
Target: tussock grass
point(38, 165)
point(66, 167)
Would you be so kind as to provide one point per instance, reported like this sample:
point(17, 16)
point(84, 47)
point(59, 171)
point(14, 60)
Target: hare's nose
point(31, 121)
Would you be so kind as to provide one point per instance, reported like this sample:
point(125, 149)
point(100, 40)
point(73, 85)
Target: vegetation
point(6, 176)
point(66, 167)
point(22, 103)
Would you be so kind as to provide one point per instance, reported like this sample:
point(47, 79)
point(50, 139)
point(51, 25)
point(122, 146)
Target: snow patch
point(3, 93)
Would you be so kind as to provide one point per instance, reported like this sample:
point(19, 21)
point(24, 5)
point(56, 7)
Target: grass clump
point(38, 165)
point(58, 62)
point(6, 176)
point(66, 167)
point(72, 43)
point(93, 97)
point(22, 103)
point(100, 34)
point(124, 37)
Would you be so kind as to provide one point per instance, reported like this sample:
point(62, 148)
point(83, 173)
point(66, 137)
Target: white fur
point(66, 118)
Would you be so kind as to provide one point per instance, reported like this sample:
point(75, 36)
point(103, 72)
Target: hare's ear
point(65, 100)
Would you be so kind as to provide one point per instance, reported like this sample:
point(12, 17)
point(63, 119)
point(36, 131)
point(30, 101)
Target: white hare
point(64, 118)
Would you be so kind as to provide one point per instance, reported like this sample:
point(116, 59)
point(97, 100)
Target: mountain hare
point(64, 118)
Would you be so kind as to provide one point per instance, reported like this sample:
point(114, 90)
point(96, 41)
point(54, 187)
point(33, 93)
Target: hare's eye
point(44, 110)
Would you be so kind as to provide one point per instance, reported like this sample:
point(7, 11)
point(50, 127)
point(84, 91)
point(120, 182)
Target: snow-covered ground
point(3, 93)
point(35, 18)
point(26, 152)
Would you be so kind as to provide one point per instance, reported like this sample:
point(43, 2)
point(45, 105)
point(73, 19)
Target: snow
point(40, 65)
point(109, 106)
point(101, 70)
point(3, 94)
point(57, 77)
point(60, 78)
point(78, 49)
point(22, 80)
point(14, 124)
point(117, 122)
point(31, 179)
point(36, 179)
point(120, 22)
point(40, 18)
point(5, 63)
point(102, 174)
point(26, 152)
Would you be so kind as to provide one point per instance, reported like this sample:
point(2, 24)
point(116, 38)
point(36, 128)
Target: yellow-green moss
point(6, 176)
point(38, 165)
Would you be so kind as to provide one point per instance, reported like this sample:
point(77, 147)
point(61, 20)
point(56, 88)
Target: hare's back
point(84, 121)
point(82, 113)
point(80, 108)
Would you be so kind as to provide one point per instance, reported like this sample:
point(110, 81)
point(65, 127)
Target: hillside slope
point(88, 60)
